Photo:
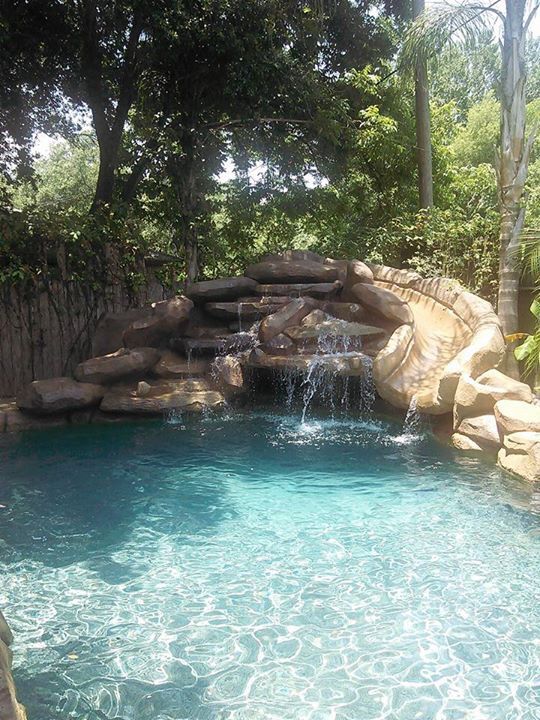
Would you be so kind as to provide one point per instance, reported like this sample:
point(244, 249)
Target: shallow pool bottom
point(250, 566)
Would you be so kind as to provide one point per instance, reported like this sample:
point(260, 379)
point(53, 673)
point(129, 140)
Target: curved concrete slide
point(453, 332)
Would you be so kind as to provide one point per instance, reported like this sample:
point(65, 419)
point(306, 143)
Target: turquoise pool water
point(254, 567)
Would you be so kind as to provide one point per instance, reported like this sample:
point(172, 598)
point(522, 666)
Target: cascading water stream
point(325, 379)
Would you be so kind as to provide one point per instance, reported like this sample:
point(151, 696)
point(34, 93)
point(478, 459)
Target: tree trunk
point(184, 176)
point(108, 155)
point(109, 117)
point(423, 126)
point(512, 167)
point(191, 249)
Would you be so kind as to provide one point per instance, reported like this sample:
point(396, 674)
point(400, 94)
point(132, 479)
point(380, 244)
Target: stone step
point(346, 365)
point(247, 311)
point(333, 327)
point(161, 396)
point(323, 290)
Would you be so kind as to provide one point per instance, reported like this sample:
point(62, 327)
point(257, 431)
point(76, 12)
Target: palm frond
point(532, 361)
point(444, 24)
point(530, 246)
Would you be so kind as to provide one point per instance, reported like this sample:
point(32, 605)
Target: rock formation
point(428, 341)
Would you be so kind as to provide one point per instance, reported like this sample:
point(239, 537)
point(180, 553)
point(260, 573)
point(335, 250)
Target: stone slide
point(452, 332)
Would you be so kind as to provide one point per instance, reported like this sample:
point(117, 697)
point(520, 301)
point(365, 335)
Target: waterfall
point(411, 424)
point(335, 390)
point(367, 386)
point(239, 316)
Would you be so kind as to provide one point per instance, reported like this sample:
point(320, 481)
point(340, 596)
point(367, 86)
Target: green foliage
point(464, 75)
point(477, 138)
point(528, 351)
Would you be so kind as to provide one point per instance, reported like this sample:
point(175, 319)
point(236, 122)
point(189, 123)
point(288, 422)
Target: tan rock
point(478, 397)
point(287, 316)
point(6, 636)
point(143, 388)
point(357, 272)
point(123, 363)
point(228, 374)
point(58, 395)
point(164, 395)
point(517, 416)
point(294, 290)
point(520, 455)
point(465, 443)
point(347, 366)
point(167, 320)
point(171, 365)
point(341, 267)
point(228, 288)
point(10, 709)
point(280, 344)
point(292, 271)
point(482, 429)
point(352, 312)
point(383, 301)
point(333, 326)
point(314, 318)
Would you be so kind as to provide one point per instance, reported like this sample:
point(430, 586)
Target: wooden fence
point(46, 332)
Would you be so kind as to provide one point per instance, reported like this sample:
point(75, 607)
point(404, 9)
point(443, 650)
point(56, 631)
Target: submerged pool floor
point(253, 567)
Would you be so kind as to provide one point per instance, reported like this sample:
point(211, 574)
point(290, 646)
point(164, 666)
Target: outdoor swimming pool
point(248, 566)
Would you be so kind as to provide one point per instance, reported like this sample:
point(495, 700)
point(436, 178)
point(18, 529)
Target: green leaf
point(525, 349)
point(535, 308)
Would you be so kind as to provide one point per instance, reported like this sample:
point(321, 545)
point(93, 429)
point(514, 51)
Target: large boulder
point(482, 429)
point(384, 302)
point(291, 314)
point(122, 364)
point(57, 395)
point(174, 366)
point(478, 397)
point(109, 333)
point(517, 416)
point(357, 272)
point(292, 271)
point(520, 455)
point(167, 319)
point(163, 395)
point(222, 289)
